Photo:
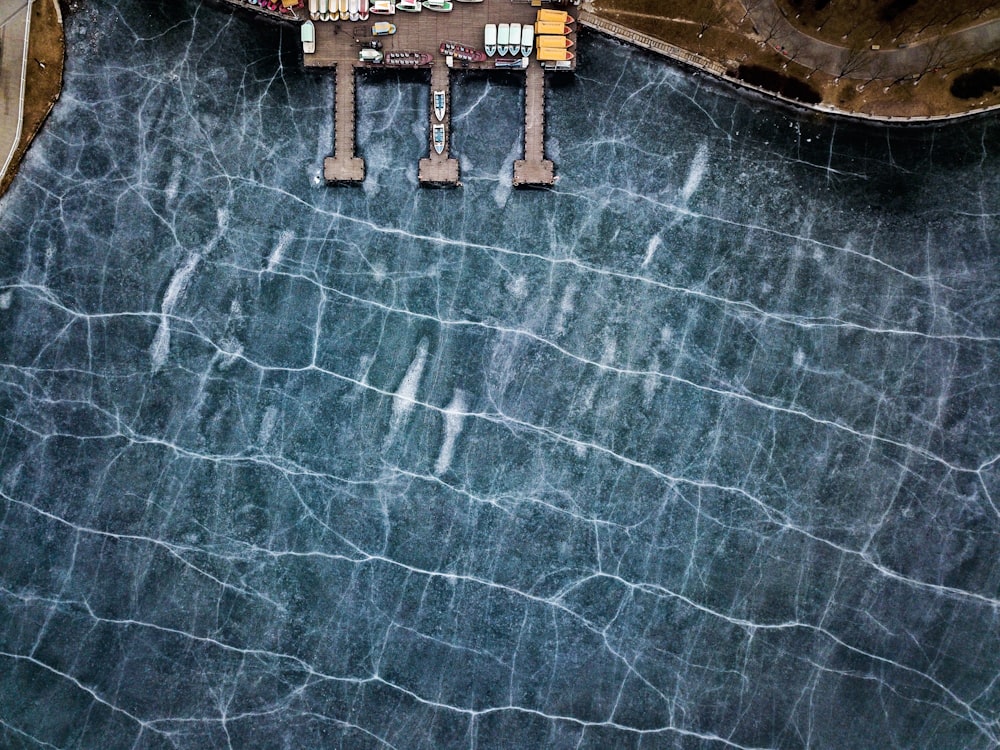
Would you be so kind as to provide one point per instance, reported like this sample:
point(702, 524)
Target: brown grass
point(43, 78)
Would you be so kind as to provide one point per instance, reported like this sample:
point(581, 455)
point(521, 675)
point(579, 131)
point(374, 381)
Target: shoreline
point(627, 35)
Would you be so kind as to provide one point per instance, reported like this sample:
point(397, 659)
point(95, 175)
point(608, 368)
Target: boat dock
point(337, 47)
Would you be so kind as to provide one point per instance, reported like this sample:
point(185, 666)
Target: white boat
point(441, 6)
point(490, 39)
point(440, 104)
point(308, 36)
point(314, 9)
point(324, 9)
point(438, 137)
point(363, 10)
point(409, 6)
point(354, 8)
point(383, 28)
point(514, 39)
point(511, 62)
point(503, 37)
point(527, 39)
point(381, 7)
point(345, 10)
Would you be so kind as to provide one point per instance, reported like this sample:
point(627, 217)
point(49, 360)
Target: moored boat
point(558, 42)
point(314, 9)
point(490, 39)
point(408, 58)
point(514, 40)
point(440, 105)
point(381, 7)
point(553, 54)
point(550, 27)
point(363, 10)
point(344, 11)
point(462, 52)
point(503, 37)
point(354, 9)
point(511, 62)
point(557, 16)
point(409, 6)
point(308, 35)
point(527, 39)
point(437, 135)
point(383, 28)
point(441, 6)
point(324, 10)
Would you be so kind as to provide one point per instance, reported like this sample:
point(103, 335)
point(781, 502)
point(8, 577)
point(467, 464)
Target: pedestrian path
point(15, 17)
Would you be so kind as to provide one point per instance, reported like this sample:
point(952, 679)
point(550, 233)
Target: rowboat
point(550, 27)
point(553, 54)
point(308, 36)
point(557, 42)
point(441, 6)
point(314, 9)
point(527, 39)
point(438, 137)
point(439, 105)
point(490, 39)
point(363, 10)
point(354, 7)
point(514, 39)
point(462, 52)
point(324, 9)
point(408, 58)
point(409, 6)
point(345, 10)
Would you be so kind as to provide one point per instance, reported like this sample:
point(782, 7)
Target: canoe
point(527, 39)
point(557, 42)
point(553, 54)
point(490, 39)
point(556, 16)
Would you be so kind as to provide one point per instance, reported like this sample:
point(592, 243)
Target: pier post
point(344, 166)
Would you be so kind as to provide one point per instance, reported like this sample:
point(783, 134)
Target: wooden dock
point(344, 167)
point(439, 170)
point(534, 170)
point(339, 42)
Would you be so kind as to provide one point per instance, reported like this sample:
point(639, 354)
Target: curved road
point(911, 61)
point(15, 22)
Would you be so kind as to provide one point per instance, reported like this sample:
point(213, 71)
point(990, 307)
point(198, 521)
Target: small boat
point(409, 6)
point(345, 10)
point(370, 55)
point(511, 62)
point(441, 6)
point(314, 9)
point(354, 8)
point(553, 54)
point(462, 52)
point(527, 39)
point(439, 105)
point(381, 7)
point(438, 137)
point(308, 35)
point(469, 1)
point(383, 28)
point(558, 42)
point(549, 27)
point(408, 58)
point(555, 16)
point(490, 39)
point(324, 9)
point(363, 10)
point(514, 39)
point(503, 38)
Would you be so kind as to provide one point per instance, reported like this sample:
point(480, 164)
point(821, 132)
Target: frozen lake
point(700, 449)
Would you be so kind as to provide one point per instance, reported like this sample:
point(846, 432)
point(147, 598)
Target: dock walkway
point(534, 170)
point(439, 170)
point(344, 166)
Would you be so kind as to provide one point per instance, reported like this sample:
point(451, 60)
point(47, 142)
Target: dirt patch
point(43, 77)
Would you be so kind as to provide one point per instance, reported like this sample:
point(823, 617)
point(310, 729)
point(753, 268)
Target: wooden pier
point(534, 170)
point(439, 170)
point(344, 166)
point(339, 42)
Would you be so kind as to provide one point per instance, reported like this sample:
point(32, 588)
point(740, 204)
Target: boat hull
point(554, 42)
point(490, 39)
point(553, 54)
point(406, 58)
point(554, 16)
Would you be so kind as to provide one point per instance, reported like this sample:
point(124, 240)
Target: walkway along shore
point(625, 34)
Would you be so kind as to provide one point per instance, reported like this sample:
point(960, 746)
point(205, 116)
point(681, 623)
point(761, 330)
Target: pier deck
point(338, 44)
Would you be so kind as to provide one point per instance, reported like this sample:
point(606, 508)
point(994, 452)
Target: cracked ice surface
point(698, 450)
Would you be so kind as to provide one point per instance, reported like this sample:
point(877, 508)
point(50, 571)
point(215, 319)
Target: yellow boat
point(553, 16)
point(551, 27)
point(555, 42)
point(550, 54)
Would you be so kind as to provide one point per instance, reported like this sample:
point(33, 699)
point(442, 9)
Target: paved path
point(15, 17)
point(897, 63)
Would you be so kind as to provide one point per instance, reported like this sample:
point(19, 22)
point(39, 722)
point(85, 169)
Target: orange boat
point(554, 16)
point(553, 54)
point(551, 27)
point(556, 42)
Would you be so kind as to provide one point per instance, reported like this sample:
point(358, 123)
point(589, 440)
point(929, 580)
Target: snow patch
point(654, 243)
point(284, 239)
point(160, 347)
point(406, 395)
point(454, 417)
point(698, 167)
point(6, 298)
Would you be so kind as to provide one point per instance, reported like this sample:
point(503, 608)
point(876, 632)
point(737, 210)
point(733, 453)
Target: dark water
point(699, 449)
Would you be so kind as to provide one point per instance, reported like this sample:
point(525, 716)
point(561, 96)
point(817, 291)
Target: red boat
point(408, 58)
point(462, 52)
